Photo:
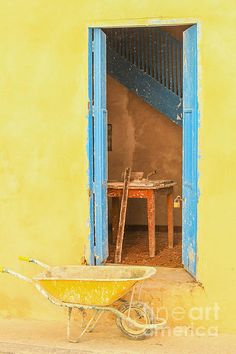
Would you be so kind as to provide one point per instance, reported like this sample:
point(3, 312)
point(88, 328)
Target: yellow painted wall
point(43, 134)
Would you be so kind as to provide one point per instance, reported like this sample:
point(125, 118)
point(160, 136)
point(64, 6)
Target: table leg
point(170, 206)
point(115, 218)
point(151, 222)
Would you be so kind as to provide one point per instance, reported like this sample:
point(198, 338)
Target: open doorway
point(146, 136)
point(145, 132)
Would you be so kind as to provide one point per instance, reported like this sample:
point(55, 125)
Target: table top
point(142, 184)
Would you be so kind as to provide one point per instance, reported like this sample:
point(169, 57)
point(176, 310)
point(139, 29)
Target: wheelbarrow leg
point(87, 328)
point(95, 319)
point(69, 338)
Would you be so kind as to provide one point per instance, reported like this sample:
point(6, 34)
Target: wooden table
point(145, 190)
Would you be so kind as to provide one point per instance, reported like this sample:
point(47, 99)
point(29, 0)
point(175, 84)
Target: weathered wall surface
point(43, 135)
point(145, 140)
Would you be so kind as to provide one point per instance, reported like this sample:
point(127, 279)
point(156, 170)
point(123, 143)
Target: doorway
point(143, 134)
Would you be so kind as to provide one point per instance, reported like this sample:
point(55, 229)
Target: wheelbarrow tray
point(91, 285)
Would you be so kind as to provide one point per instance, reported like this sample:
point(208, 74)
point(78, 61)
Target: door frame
point(194, 204)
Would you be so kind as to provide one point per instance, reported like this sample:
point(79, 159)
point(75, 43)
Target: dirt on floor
point(135, 250)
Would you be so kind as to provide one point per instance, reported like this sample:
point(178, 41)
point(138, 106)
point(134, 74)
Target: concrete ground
point(32, 337)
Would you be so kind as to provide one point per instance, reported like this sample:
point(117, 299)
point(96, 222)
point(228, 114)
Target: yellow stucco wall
point(43, 135)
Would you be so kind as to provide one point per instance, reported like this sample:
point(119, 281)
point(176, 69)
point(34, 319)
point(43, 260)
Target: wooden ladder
point(123, 210)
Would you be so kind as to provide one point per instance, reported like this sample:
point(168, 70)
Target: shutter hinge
point(92, 190)
point(90, 107)
point(95, 253)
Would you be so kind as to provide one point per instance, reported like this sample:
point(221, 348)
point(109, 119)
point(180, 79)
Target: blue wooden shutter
point(90, 145)
point(190, 148)
point(100, 146)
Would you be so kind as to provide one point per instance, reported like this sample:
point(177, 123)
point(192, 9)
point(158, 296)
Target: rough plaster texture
point(145, 140)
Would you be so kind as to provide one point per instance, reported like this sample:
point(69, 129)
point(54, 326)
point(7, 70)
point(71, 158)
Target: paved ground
point(32, 337)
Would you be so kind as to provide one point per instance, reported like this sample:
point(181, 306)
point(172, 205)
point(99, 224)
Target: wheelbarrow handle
point(17, 275)
point(35, 261)
point(24, 259)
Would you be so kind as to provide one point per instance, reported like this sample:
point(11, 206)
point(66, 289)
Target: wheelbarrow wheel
point(142, 314)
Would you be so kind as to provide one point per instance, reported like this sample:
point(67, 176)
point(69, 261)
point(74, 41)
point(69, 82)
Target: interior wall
point(145, 140)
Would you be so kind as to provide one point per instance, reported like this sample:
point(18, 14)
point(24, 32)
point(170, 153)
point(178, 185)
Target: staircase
point(149, 63)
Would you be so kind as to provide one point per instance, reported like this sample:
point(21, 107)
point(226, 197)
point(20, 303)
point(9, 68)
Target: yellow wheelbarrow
point(97, 288)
